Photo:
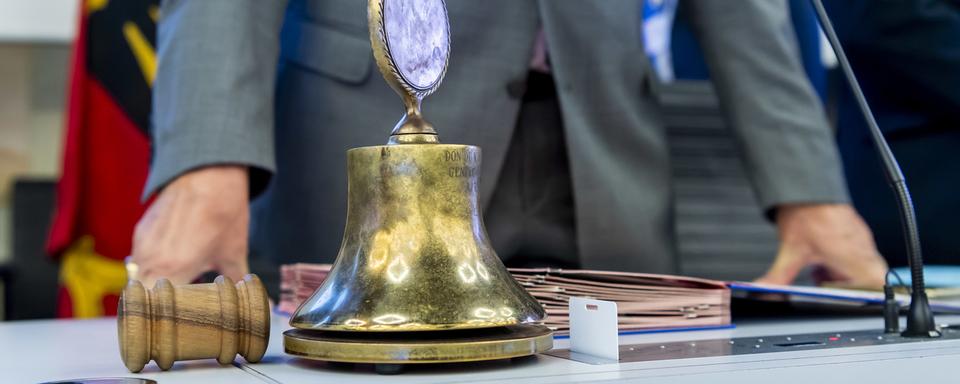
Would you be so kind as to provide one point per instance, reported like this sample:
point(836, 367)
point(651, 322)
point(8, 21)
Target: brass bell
point(416, 279)
point(415, 256)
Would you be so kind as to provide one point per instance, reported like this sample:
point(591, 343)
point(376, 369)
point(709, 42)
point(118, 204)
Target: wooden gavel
point(197, 321)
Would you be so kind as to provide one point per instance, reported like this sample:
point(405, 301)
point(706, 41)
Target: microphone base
point(920, 318)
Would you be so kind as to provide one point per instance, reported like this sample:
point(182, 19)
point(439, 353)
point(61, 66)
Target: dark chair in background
point(31, 277)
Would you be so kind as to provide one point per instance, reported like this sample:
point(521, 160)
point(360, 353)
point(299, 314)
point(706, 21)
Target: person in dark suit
point(906, 55)
point(575, 168)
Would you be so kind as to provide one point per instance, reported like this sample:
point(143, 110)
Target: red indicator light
point(833, 338)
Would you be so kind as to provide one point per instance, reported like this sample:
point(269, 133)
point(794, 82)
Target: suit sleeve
point(213, 93)
point(789, 149)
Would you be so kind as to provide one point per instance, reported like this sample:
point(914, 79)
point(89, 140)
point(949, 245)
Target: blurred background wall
point(35, 39)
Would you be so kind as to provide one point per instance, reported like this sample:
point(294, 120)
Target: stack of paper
point(297, 283)
point(644, 301)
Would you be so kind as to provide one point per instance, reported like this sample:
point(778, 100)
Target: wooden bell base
point(389, 348)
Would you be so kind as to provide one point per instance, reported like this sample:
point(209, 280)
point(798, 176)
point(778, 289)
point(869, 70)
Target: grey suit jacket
point(230, 89)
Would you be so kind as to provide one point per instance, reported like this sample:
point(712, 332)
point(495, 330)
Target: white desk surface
point(35, 351)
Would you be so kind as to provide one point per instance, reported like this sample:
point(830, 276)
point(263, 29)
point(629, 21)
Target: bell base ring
point(388, 348)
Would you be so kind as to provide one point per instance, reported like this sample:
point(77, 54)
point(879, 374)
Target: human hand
point(198, 223)
point(831, 236)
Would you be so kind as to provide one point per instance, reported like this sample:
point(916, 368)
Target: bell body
point(415, 255)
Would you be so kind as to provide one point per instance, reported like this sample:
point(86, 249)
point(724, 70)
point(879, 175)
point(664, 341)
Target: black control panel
point(754, 345)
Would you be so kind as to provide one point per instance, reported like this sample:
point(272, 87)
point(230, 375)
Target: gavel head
point(197, 321)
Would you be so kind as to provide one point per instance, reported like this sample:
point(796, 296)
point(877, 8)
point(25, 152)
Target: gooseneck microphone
point(919, 318)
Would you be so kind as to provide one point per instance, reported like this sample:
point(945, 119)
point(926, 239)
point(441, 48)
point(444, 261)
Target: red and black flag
point(106, 152)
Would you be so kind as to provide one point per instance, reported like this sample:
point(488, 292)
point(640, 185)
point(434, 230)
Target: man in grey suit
point(260, 99)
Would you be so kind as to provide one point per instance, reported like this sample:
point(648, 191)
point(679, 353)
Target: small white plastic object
point(593, 328)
